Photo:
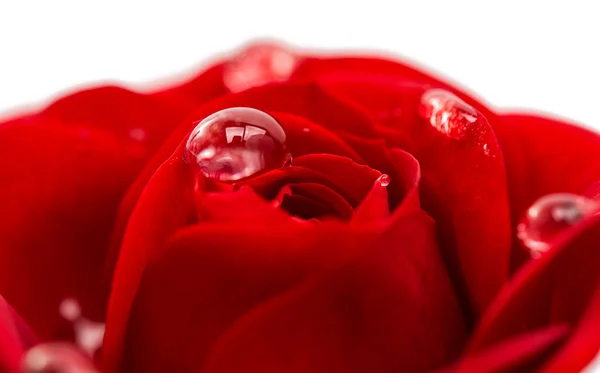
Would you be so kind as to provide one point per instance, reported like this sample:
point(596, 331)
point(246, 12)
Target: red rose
point(389, 244)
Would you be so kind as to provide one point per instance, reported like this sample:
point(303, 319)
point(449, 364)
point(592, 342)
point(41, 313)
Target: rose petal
point(334, 204)
point(536, 150)
point(377, 313)
point(374, 208)
point(211, 274)
point(57, 211)
point(463, 187)
point(386, 71)
point(15, 338)
point(336, 67)
point(141, 121)
point(402, 168)
point(166, 204)
point(301, 207)
point(557, 288)
point(243, 206)
point(300, 100)
point(521, 353)
point(202, 87)
point(582, 345)
point(306, 137)
point(342, 172)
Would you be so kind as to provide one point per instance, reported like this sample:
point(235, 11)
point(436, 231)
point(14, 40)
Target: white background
point(542, 55)
point(526, 54)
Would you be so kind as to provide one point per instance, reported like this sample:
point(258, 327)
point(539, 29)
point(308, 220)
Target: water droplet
point(258, 65)
point(306, 129)
point(447, 113)
point(549, 216)
point(56, 357)
point(88, 334)
point(237, 143)
point(384, 180)
point(486, 149)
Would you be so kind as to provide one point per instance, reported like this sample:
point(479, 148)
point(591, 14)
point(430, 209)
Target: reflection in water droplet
point(258, 65)
point(56, 357)
point(238, 143)
point(88, 334)
point(447, 113)
point(384, 180)
point(549, 216)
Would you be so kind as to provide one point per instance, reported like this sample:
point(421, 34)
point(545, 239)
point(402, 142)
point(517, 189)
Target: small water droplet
point(56, 357)
point(237, 143)
point(257, 65)
point(306, 129)
point(447, 113)
point(486, 149)
point(549, 216)
point(384, 180)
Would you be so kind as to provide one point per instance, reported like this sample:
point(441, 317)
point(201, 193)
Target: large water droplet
point(237, 143)
point(447, 113)
point(257, 65)
point(384, 180)
point(56, 357)
point(549, 216)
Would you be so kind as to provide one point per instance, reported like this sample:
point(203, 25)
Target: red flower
point(388, 245)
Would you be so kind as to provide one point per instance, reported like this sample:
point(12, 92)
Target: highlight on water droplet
point(56, 357)
point(549, 216)
point(257, 65)
point(384, 180)
point(447, 113)
point(238, 143)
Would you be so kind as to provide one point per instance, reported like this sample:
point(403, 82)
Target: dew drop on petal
point(549, 216)
point(257, 65)
point(384, 180)
point(237, 143)
point(447, 113)
point(56, 357)
point(486, 149)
